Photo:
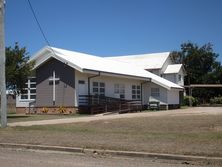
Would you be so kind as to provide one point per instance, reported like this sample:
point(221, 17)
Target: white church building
point(65, 81)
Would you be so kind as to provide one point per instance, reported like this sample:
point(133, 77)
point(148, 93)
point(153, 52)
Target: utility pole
point(2, 68)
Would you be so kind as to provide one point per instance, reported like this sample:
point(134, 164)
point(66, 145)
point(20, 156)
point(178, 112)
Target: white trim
point(28, 88)
point(53, 79)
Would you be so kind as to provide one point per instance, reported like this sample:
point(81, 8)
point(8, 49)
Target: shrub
point(45, 110)
point(216, 100)
point(186, 100)
point(62, 109)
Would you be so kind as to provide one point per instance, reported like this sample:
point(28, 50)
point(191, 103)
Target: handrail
point(99, 104)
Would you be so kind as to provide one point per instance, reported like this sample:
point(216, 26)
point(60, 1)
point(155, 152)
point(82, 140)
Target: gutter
point(111, 73)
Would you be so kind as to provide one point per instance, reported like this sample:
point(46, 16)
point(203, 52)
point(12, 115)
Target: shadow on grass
point(17, 116)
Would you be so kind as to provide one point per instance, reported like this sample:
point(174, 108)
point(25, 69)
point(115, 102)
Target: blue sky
point(115, 27)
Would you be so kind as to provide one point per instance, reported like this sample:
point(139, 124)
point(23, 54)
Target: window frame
point(136, 92)
point(98, 86)
point(29, 87)
point(119, 89)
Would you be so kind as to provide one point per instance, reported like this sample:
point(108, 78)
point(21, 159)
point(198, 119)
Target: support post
point(190, 95)
point(2, 68)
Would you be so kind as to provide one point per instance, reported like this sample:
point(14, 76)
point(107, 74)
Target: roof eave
point(115, 74)
point(52, 54)
point(171, 73)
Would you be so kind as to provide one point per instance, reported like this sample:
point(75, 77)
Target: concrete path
point(179, 112)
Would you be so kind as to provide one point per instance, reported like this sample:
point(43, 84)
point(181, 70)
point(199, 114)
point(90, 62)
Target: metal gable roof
point(173, 69)
point(82, 62)
point(145, 61)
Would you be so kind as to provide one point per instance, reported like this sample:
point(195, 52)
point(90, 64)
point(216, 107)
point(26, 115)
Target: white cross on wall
point(53, 79)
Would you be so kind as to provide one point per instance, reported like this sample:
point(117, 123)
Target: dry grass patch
point(196, 135)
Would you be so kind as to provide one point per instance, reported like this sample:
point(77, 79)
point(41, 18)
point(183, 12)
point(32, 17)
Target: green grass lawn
point(187, 134)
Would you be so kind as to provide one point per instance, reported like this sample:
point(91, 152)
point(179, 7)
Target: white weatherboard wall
point(166, 96)
point(175, 77)
point(22, 103)
point(173, 96)
point(147, 93)
point(181, 83)
point(109, 84)
point(111, 81)
point(171, 77)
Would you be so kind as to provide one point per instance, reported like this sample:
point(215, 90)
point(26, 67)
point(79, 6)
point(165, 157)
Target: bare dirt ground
point(193, 131)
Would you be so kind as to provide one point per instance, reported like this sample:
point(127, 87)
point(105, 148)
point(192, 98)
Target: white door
point(82, 88)
point(82, 99)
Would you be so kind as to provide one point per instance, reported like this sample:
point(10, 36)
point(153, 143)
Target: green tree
point(18, 68)
point(201, 67)
point(199, 62)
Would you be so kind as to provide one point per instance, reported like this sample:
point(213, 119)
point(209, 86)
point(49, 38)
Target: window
point(136, 92)
point(32, 96)
point(29, 92)
point(179, 77)
point(32, 85)
point(33, 91)
point(119, 89)
point(24, 97)
point(155, 92)
point(99, 88)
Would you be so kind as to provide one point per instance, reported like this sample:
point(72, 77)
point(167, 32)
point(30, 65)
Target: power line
point(40, 28)
point(43, 34)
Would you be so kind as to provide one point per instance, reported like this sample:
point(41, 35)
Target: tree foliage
point(201, 67)
point(199, 62)
point(18, 68)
